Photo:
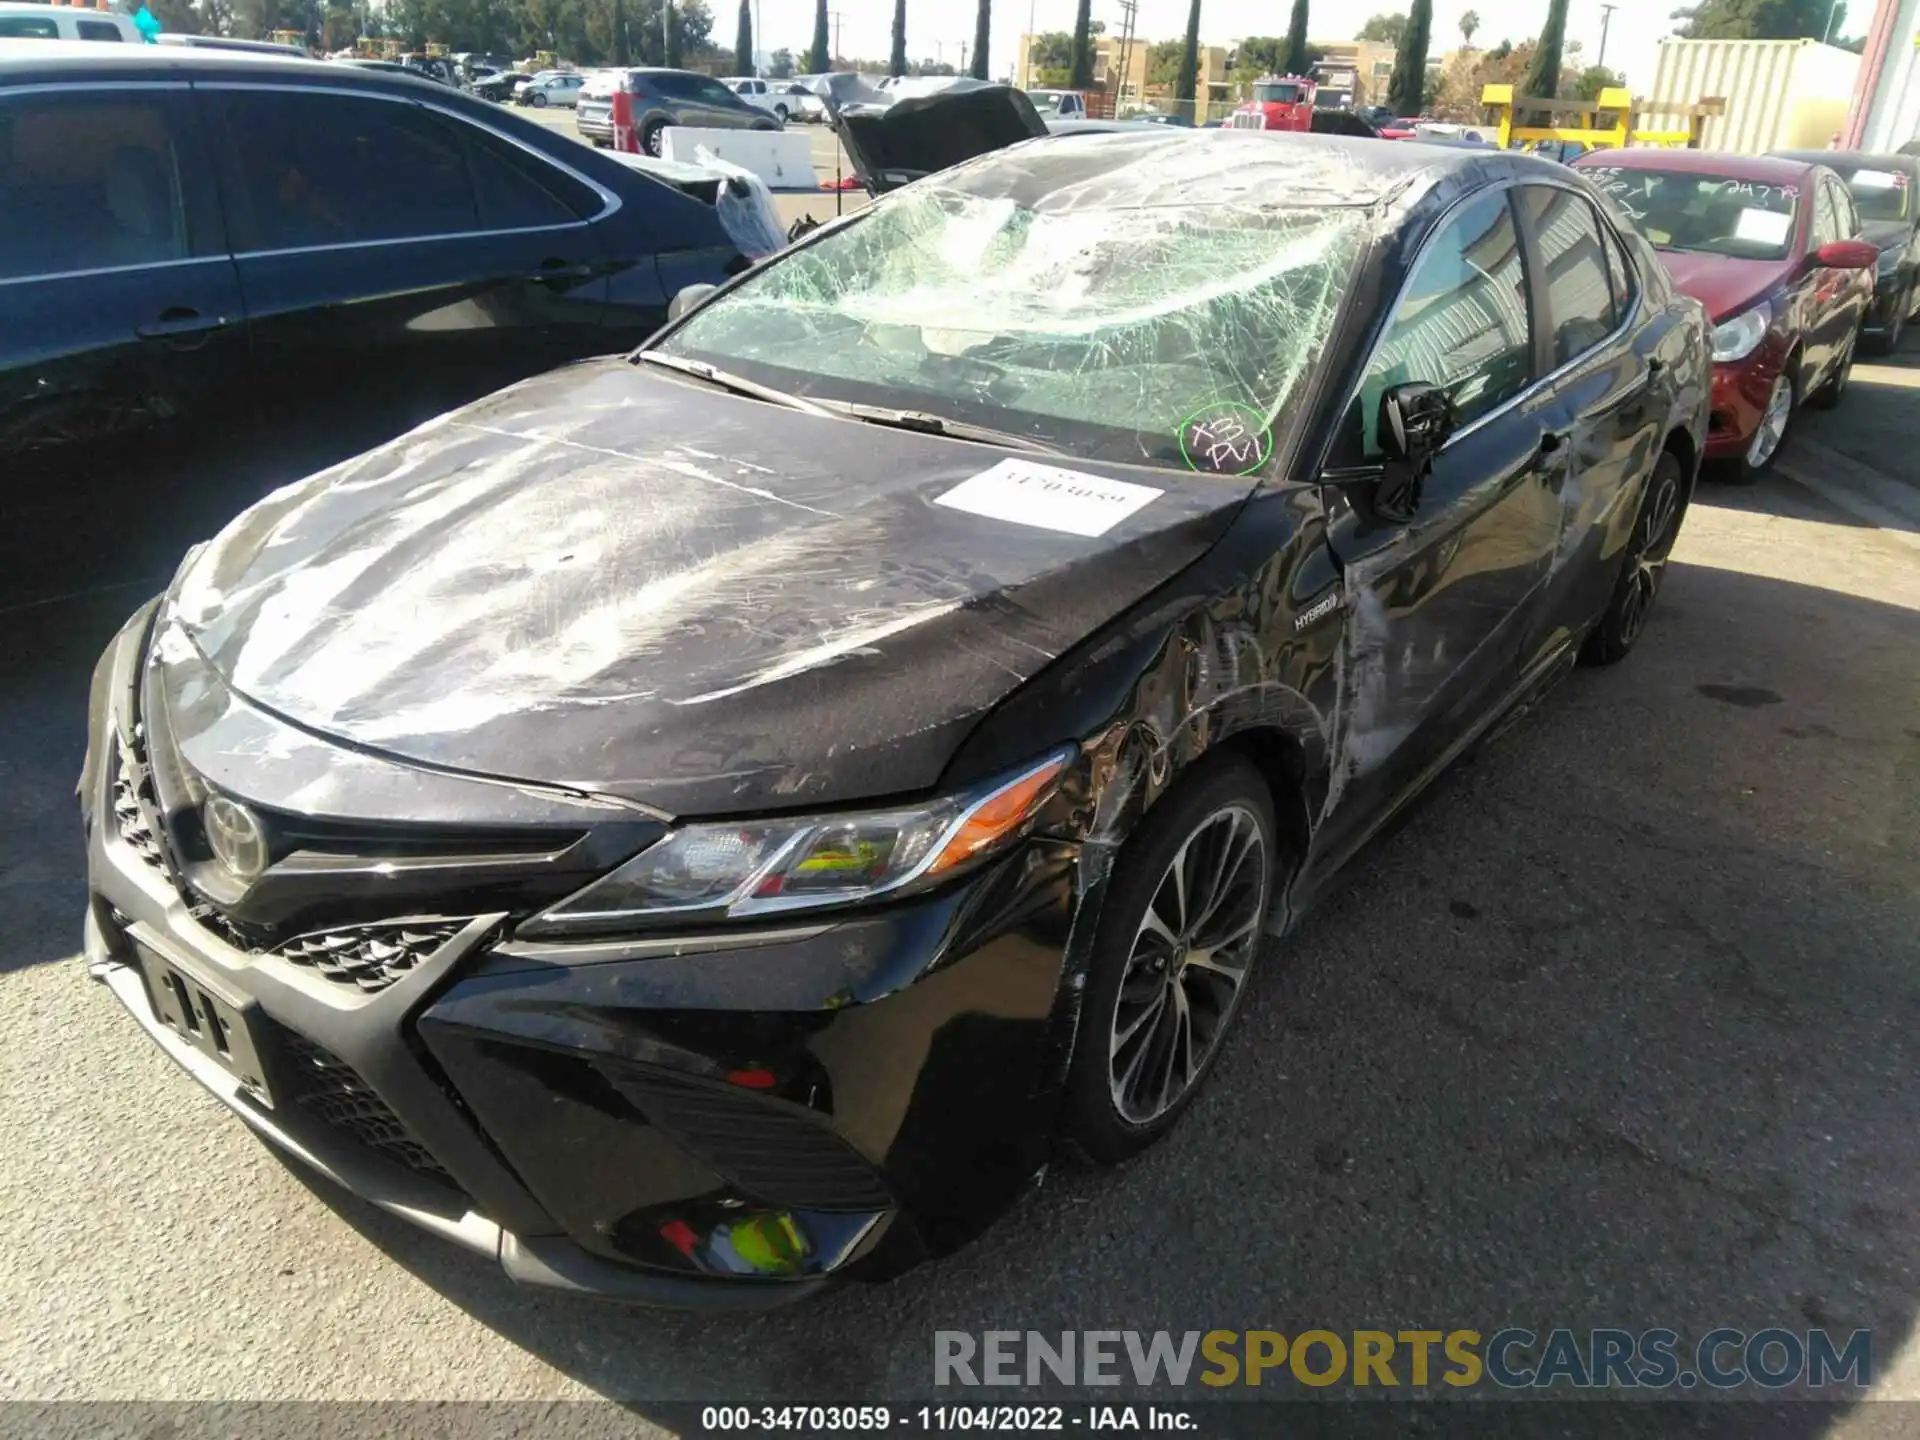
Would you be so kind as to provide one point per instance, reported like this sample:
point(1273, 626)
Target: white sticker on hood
point(1048, 497)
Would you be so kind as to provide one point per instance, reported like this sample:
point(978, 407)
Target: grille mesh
point(371, 957)
point(132, 795)
point(331, 1091)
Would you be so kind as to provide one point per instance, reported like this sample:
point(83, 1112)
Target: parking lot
point(1617, 1028)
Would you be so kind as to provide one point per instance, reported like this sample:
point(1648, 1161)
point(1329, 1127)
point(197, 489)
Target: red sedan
point(1772, 248)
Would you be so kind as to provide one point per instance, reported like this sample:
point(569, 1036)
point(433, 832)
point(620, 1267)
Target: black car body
point(1886, 193)
point(663, 98)
point(178, 225)
point(428, 810)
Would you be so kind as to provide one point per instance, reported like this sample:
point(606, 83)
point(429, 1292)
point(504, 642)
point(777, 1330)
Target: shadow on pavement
point(1616, 1030)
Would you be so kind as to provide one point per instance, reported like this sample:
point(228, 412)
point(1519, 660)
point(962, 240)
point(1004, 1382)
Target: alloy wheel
point(1653, 543)
point(1188, 964)
point(1773, 422)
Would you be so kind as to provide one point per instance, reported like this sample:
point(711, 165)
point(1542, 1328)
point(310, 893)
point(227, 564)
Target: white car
point(1059, 104)
point(773, 96)
point(558, 87)
point(65, 22)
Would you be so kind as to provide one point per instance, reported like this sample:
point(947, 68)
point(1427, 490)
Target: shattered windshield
point(1100, 325)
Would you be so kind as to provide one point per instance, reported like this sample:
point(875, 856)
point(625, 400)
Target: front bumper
point(710, 1120)
point(1740, 392)
point(1890, 297)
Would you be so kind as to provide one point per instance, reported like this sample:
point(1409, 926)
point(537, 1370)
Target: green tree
point(1163, 63)
point(1594, 79)
point(1408, 92)
point(1754, 19)
point(176, 17)
point(1543, 75)
point(1297, 60)
point(1469, 24)
point(1052, 50)
point(897, 60)
point(1259, 55)
point(1188, 79)
point(743, 40)
point(1082, 62)
point(1384, 29)
point(820, 57)
point(780, 65)
point(982, 38)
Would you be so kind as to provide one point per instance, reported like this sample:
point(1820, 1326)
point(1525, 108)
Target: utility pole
point(1026, 82)
point(963, 57)
point(759, 40)
point(1606, 19)
point(1128, 10)
point(1826, 35)
point(834, 15)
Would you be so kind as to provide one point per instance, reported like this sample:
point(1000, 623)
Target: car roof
point(1277, 169)
point(1854, 159)
point(43, 60)
point(1762, 169)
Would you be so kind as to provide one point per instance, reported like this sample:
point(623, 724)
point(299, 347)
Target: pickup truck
point(769, 95)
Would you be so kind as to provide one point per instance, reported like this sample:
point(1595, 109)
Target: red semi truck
point(1279, 103)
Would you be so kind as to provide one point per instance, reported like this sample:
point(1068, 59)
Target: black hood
point(918, 136)
point(610, 579)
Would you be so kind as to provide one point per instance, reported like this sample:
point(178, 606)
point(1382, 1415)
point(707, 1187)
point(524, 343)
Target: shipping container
point(1780, 94)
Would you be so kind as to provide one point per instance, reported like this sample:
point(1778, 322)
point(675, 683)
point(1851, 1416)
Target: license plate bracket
point(207, 1014)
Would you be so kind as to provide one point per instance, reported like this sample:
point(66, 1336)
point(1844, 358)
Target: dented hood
point(919, 135)
point(609, 579)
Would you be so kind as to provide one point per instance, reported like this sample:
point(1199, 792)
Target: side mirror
point(688, 299)
point(1847, 255)
point(1415, 421)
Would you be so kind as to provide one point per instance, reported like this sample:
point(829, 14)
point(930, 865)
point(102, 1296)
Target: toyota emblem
point(238, 841)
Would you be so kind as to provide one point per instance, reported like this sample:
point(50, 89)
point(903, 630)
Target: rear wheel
point(1645, 566)
point(1181, 927)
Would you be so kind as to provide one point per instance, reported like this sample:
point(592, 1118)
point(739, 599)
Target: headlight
point(1737, 338)
point(739, 869)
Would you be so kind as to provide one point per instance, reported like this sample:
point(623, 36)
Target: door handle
point(553, 271)
point(180, 324)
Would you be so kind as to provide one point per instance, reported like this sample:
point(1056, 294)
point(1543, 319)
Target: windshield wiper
point(738, 384)
point(925, 424)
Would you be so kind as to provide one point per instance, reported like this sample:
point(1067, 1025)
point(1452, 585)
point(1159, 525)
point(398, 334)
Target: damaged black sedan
point(695, 825)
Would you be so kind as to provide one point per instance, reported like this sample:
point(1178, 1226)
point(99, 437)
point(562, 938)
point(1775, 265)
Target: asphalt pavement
point(1617, 1028)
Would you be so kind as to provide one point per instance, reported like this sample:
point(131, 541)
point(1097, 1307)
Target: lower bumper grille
point(332, 1092)
point(781, 1157)
point(132, 795)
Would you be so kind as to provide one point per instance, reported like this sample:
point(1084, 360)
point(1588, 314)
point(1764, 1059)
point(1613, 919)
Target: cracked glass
point(1090, 312)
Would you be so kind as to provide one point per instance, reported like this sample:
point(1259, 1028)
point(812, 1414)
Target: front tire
point(1181, 926)
point(1645, 565)
point(650, 134)
point(1763, 448)
point(539, 101)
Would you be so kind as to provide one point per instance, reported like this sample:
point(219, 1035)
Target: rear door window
point(317, 169)
point(28, 27)
point(517, 190)
point(99, 30)
point(89, 181)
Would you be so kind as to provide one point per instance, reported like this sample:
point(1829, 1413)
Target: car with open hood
point(697, 825)
point(1886, 192)
point(1774, 249)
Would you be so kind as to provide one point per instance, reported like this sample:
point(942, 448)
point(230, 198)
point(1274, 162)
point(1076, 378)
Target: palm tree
point(820, 58)
point(897, 62)
point(1469, 23)
point(1189, 77)
point(1082, 76)
point(982, 25)
point(743, 40)
point(1297, 61)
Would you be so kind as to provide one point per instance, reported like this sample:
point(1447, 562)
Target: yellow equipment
point(1605, 123)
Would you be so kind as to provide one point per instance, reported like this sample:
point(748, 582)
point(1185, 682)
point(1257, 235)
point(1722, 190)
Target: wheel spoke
point(1149, 1011)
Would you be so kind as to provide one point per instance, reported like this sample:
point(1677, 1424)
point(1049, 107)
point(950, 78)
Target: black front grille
point(132, 804)
point(330, 1090)
point(776, 1154)
point(370, 957)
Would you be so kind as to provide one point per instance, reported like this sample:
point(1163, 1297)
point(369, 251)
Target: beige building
point(1128, 82)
